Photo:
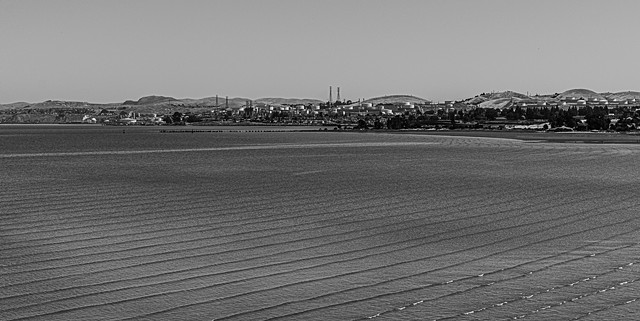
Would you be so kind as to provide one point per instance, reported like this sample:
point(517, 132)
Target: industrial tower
point(330, 96)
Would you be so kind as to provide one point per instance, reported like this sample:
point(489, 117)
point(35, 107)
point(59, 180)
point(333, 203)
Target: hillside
point(396, 99)
point(16, 105)
point(165, 104)
point(499, 103)
point(497, 99)
point(210, 102)
point(149, 103)
point(287, 101)
point(580, 93)
point(507, 94)
point(623, 95)
point(60, 104)
point(150, 100)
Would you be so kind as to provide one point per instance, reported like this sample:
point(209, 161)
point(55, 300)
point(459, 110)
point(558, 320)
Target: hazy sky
point(114, 50)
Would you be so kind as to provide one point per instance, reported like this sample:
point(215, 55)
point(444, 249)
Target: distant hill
point(476, 100)
point(16, 105)
point(62, 104)
point(165, 104)
point(503, 99)
point(149, 100)
point(499, 103)
point(580, 93)
point(287, 101)
point(623, 95)
point(507, 94)
point(397, 99)
point(210, 102)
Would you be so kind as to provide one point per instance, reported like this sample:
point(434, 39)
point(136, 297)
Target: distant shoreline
point(534, 136)
point(528, 136)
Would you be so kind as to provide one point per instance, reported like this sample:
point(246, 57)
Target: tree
point(529, 114)
point(248, 112)
point(176, 117)
point(362, 124)
point(491, 113)
point(377, 124)
point(596, 122)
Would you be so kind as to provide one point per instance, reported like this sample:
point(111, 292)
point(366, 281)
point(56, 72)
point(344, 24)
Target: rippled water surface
point(106, 223)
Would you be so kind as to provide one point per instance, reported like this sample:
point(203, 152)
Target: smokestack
point(216, 100)
point(338, 98)
point(330, 96)
point(226, 102)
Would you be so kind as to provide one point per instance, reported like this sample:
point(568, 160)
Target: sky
point(106, 51)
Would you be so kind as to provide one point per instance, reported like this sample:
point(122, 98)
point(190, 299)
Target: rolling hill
point(149, 100)
point(507, 94)
point(623, 95)
point(287, 101)
point(210, 102)
point(580, 93)
point(16, 105)
point(498, 103)
point(502, 99)
point(164, 104)
point(396, 99)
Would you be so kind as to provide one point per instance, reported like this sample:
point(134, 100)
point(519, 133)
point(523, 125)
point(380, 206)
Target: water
point(98, 224)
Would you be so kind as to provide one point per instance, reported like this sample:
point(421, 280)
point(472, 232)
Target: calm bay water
point(101, 224)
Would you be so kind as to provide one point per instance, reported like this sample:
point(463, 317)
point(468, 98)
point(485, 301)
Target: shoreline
point(527, 136)
point(535, 136)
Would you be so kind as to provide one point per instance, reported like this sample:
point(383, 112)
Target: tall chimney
point(330, 96)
